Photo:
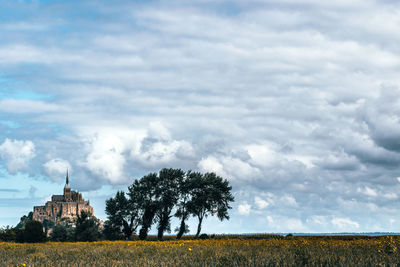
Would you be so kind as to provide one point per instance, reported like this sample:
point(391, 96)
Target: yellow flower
point(190, 249)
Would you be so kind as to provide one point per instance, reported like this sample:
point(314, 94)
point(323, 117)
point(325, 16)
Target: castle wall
point(73, 209)
point(62, 207)
point(39, 213)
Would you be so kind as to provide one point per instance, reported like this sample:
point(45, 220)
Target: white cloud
point(17, 154)
point(106, 159)
point(27, 106)
point(233, 168)
point(261, 155)
point(158, 131)
point(113, 151)
point(294, 224)
point(160, 153)
point(390, 195)
point(56, 169)
point(45, 199)
point(345, 224)
point(285, 224)
point(339, 161)
point(261, 203)
point(212, 164)
point(289, 200)
point(368, 191)
point(238, 169)
point(244, 209)
point(318, 220)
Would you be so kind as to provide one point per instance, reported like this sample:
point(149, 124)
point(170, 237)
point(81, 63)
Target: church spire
point(67, 178)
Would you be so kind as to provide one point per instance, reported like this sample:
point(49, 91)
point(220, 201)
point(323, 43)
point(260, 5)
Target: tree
point(24, 219)
point(122, 215)
point(33, 232)
point(185, 196)
point(59, 233)
point(143, 192)
point(210, 196)
point(87, 227)
point(153, 197)
point(167, 194)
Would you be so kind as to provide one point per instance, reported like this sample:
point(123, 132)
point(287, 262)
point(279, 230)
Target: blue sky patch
point(10, 124)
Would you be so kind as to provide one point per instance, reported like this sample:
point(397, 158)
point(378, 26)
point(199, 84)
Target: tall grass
point(293, 251)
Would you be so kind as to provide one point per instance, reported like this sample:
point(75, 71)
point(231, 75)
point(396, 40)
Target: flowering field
point(293, 251)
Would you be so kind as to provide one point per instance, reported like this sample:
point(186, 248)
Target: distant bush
point(203, 236)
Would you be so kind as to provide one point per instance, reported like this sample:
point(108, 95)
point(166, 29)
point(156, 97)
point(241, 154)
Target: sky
point(295, 102)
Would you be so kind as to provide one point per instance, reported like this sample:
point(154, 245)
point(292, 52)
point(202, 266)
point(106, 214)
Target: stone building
point(68, 205)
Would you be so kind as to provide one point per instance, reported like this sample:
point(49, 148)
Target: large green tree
point(167, 195)
point(211, 195)
point(153, 198)
point(143, 192)
point(185, 188)
point(122, 215)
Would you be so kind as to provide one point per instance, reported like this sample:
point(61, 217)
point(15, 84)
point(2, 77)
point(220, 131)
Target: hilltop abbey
point(68, 205)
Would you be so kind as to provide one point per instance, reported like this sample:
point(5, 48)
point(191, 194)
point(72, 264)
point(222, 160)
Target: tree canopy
point(122, 214)
point(157, 197)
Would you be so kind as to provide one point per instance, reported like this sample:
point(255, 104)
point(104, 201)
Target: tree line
point(157, 197)
point(153, 199)
point(84, 228)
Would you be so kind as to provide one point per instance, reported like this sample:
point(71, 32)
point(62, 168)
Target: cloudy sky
point(295, 102)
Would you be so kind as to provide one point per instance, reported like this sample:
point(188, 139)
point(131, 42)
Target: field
point(219, 251)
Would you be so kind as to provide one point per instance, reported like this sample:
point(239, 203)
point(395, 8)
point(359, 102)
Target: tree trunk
point(127, 230)
point(143, 233)
point(160, 233)
point(162, 225)
point(182, 228)
point(199, 227)
point(146, 222)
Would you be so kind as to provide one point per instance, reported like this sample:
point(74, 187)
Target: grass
point(220, 251)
